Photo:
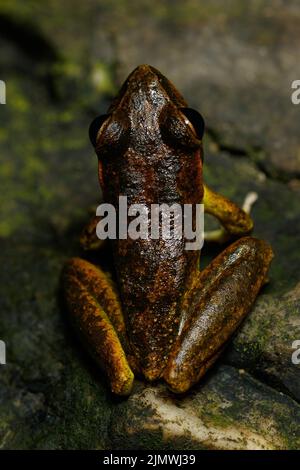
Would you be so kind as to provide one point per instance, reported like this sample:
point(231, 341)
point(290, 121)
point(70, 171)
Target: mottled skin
point(164, 319)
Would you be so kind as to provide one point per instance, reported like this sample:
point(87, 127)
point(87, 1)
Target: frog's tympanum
point(162, 318)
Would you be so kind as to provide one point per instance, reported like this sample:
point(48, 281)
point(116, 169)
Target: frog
point(159, 317)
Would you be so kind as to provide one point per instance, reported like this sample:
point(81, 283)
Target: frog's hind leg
point(95, 310)
point(217, 303)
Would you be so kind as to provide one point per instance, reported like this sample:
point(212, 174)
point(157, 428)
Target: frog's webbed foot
point(235, 221)
point(95, 310)
point(218, 302)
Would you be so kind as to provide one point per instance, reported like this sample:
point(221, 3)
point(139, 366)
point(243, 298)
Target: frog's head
point(147, 112)
point(146, 88)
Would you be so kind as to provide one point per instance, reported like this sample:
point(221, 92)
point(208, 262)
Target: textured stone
point(230, 410)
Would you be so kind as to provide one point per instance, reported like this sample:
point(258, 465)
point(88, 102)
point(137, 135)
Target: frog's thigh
point(223, 295)
point(96, 312)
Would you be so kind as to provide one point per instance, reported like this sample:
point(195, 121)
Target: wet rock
point(230, 410)
point(264, 345)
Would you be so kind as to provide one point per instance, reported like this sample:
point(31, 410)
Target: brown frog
point(163, 319)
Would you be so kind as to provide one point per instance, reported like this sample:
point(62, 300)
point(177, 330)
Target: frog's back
point(156, 160)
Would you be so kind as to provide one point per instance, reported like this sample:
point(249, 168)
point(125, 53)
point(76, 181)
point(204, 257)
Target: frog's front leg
point(95, 311)
point(217, 303)
point(88, 237)
point(235, 221)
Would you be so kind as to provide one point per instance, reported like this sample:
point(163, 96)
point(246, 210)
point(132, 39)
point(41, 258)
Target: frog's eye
point(195, 121)
point(95, 127)
point(178, 130)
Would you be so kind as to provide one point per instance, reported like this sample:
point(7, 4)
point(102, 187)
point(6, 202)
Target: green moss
point(102, 79)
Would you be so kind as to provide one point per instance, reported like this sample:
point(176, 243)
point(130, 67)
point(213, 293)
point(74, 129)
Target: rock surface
point(230, 410)
point(62, 63)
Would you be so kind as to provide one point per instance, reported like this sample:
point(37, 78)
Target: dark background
point(62, 62)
